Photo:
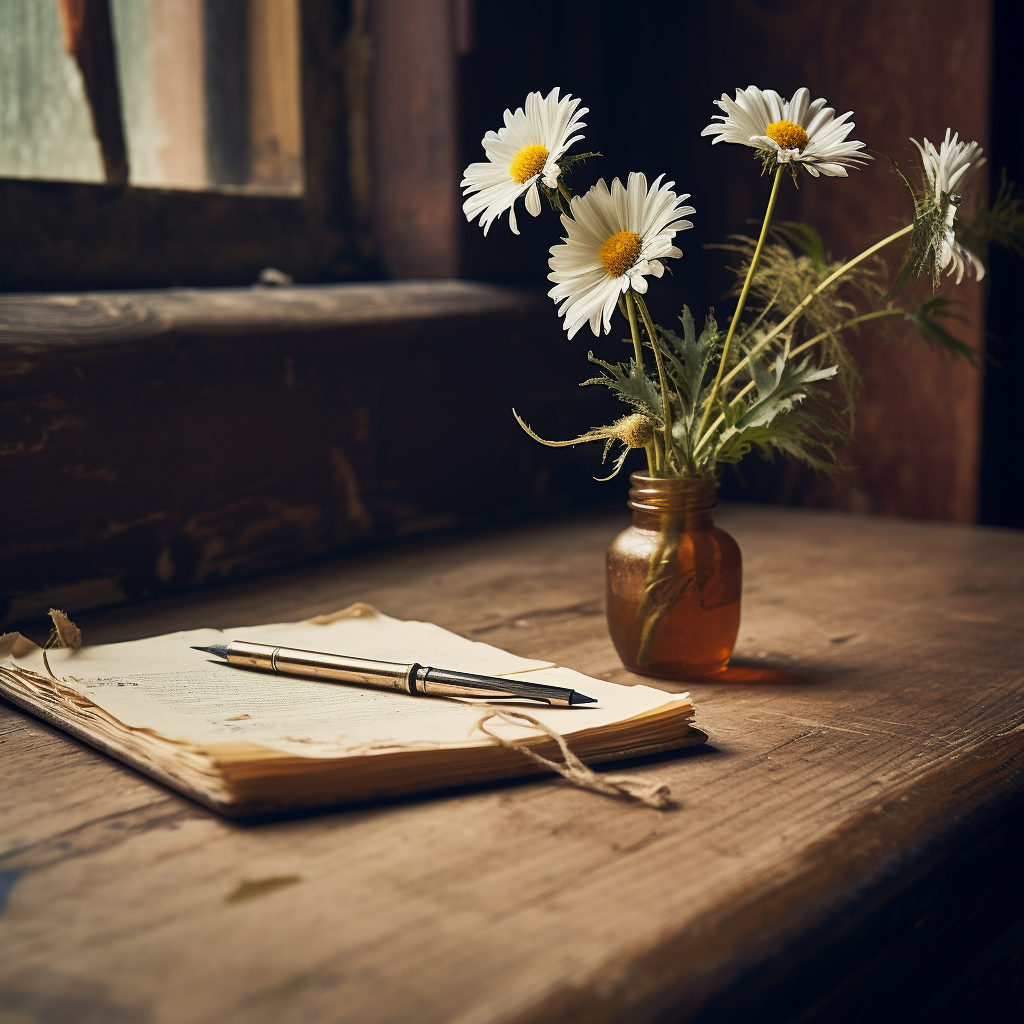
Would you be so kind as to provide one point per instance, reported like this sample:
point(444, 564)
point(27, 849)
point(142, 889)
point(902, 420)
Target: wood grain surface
point(852, 832)
point(156, 441)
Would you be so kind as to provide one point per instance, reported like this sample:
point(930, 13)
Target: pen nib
point(221, 650)
point(581, 698)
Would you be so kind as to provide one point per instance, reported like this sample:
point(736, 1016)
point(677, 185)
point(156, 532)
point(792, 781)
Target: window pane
point(209, 95)
point(159, 46)
point(45, 124)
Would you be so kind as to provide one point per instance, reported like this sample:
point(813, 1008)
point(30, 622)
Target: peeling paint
point(15, 368)
point(82, 472)
point(247, 523)
point(50, 403)
point(60, 423)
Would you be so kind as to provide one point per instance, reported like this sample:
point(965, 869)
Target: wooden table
point(848, 846)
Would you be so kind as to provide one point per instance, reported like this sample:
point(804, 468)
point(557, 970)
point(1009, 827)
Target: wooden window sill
point(155, 441)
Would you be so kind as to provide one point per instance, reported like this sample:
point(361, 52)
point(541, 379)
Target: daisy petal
point(943, 170)
point(615, 238)
point(749, 116)
point(525, 150)
point(533, 201)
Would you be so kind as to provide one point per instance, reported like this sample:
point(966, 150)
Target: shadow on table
point(755, 673)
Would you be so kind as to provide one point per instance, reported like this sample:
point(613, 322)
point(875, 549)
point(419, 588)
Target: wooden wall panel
point(908, 69)
point(415, 203)
point(905, 69)
point(156, 442)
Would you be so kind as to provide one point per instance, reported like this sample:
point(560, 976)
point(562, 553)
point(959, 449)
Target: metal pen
point(415, 679)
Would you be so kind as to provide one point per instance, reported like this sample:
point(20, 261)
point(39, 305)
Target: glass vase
point(674, 581)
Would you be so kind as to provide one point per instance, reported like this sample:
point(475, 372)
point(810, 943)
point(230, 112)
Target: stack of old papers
point(247, 742)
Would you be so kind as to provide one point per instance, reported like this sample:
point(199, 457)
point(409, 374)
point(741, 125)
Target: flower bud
point(636, 430)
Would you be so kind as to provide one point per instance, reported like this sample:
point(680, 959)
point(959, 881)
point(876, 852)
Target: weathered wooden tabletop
point(852, 825)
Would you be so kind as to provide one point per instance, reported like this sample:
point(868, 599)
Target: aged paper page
point(160, 683)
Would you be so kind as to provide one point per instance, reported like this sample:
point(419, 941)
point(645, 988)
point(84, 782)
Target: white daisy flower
point(796, 131)
point(526, 150)
point(615, 237)
point(952, 164)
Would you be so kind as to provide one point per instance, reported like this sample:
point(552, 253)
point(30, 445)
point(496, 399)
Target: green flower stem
point(877, 315)
point(666, 404)
point(806, 301)
point(742, 301)
point(704, 436)
point(865, 318)
point(634, 329)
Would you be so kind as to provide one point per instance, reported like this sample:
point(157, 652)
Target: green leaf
point(926, 319)
point(789, 435)
point(804, 238)
point(631, 385)
point(765, 379)
point(925, 242)
point(1000, 223)
point(779, 388)
point(687, 358)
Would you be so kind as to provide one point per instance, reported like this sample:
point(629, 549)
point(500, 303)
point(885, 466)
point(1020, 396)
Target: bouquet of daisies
point(703, 394)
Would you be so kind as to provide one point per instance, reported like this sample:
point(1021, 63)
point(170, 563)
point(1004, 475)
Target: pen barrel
point(387, 675)
point(382, 675)
point(440, 682)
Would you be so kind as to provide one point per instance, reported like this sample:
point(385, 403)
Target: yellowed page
point(160, 683)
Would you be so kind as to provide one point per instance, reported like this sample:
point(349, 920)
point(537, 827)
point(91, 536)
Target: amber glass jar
point(674, 581)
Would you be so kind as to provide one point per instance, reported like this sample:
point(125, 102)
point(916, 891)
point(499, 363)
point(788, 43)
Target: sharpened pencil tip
point(220, 650)
point(581, 698)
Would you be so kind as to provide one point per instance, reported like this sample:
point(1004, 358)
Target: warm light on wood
point(276, 111)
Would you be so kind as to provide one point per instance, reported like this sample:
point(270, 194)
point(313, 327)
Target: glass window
point(45, 124)
point(209, 95)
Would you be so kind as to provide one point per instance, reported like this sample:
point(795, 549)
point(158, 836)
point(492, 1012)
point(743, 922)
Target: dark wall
point(1002, 466)
point(645, 77)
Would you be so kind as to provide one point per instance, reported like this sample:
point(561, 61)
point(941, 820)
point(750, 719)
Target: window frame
point(79, 236)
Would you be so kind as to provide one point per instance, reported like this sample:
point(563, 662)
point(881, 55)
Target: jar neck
point(689, 500)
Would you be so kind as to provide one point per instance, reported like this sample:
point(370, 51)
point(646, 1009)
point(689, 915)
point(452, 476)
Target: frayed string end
point(622, 787)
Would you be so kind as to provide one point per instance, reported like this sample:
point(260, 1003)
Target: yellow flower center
point(787, 134)
point(620, 252)
point(530, 160)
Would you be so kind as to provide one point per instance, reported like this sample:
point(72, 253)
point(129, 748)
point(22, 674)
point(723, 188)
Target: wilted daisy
point(615, 237)
point(793, 131)
point(944, 169)
point(525, 151)
point(633, 431)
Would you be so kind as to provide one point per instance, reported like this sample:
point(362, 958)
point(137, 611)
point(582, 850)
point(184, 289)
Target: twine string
point(620, 787)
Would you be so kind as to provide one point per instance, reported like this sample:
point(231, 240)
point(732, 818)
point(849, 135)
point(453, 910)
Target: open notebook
point(248, 743)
